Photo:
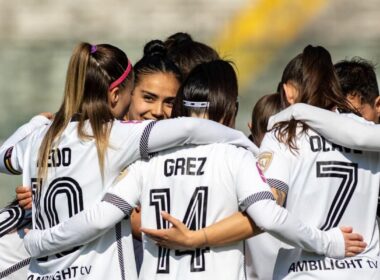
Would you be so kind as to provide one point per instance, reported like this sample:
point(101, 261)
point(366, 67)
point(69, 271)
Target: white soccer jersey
point(14, 259)
point(327, 185)
point(260, 256)
point(74, 183)
point(201, 185)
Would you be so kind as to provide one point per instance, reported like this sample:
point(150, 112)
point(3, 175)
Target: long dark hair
point(187, 53)
point(265, 107)
point(312, 74)
point(214, 82)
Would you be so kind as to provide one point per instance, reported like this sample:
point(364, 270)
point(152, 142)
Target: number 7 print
point(348, 172)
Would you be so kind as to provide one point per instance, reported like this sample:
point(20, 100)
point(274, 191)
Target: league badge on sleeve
point(264, 160)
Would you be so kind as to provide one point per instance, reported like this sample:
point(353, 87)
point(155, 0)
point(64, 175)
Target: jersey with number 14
point(200, 186)
point(327, 185)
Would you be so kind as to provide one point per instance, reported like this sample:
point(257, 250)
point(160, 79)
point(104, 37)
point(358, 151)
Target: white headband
point(196, 104)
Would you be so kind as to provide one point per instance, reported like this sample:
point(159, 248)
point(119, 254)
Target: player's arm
point(337, 128)
point(277, 221)
point(239, 226)
point(135, 219)
point(279, 196)
point(257, 200)
point(11, 151)
point(186, 130)
point(262, 208)
point(276, 162)
point(88, 224)
point(79, 229)
point(232, 229)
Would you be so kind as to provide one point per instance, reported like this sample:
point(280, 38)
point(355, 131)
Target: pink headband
point(122, 77)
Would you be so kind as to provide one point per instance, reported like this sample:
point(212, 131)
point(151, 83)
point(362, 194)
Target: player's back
point(198, 186)
point(328, 186)
point(74, 183)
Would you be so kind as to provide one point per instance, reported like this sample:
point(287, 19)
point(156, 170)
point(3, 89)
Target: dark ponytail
point(214, 82)
point(312, 74)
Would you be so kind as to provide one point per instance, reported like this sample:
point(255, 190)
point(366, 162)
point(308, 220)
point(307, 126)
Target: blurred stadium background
point(260, 36)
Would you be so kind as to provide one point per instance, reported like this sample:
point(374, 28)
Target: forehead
point(357, 100)
point(368, 111)
point(161, 84)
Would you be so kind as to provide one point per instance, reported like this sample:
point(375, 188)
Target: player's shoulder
point(357, 118)
point(271, 141)
point(133, 124)
point(229, 148)
point(122, 130)
point(224, 149)
point(232, 154)
point(273, 146)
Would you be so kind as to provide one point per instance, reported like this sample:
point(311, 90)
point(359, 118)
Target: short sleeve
point(275, 163)
point(251, 185)
point(128, 142)
point(125, 194)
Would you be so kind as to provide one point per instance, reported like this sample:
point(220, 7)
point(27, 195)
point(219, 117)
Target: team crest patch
point(122, 174)
point(264, 160)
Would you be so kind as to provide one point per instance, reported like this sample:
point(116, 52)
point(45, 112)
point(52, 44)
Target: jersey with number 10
point(327, 186)
point(200, 186)
point(73, 184)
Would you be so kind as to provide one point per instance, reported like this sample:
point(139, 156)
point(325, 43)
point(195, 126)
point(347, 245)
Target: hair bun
point(155, 47)
point(178, 39)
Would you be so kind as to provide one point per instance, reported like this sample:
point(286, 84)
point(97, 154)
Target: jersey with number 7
point(327, 185)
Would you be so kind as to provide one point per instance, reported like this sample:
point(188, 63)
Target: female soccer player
point(291, 86)
point(324, 184)
point(73, 160)
point(157, 80)
point(203, 184)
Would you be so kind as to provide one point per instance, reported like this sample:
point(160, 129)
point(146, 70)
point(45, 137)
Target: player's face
point(153, 97)
point(366, 110)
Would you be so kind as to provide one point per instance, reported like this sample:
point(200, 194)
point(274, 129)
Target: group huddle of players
point(140, 174)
